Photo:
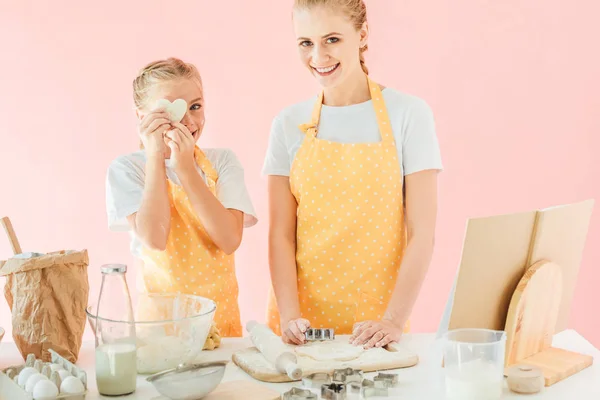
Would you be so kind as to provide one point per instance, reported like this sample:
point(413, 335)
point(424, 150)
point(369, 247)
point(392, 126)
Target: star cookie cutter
point(299, 394)
point(334, 391)
point(316, 334)
point(347, 375)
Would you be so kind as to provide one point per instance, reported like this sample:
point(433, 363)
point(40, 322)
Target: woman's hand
point(151, 130)
point(375, 334)
point(292, 331)
point(182, 145)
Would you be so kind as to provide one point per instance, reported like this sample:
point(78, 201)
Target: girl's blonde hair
point(356, 10)
point(157, 72)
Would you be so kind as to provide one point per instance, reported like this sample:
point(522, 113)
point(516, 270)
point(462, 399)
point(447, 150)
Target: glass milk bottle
point(116, 369)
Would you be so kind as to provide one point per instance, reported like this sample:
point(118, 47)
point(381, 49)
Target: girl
point(185, 207)
point(352, 190)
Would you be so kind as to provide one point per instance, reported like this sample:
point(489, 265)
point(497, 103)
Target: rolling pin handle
point(294, 371)
point(287, 362)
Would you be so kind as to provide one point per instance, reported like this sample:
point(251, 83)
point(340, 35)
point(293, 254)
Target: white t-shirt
point(411, 119)
point(125, 185)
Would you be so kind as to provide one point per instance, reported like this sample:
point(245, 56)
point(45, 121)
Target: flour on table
point(330, 351)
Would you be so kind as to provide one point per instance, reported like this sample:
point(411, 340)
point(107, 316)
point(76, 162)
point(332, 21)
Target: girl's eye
point(305, 43)
point(332, 40)
point(195, 106)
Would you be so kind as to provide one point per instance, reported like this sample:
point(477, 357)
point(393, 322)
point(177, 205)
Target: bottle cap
point(113, 268)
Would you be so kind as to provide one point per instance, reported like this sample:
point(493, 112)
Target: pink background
point(514, 87)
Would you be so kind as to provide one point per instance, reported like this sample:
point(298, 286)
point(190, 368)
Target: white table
point(423, 381)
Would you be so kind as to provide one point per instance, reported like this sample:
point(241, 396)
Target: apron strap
point(383, 119)
point(312, 127)
point(207, 168)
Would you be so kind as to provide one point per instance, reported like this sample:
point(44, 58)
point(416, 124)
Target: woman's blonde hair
point(356, 10)
point(157, 72)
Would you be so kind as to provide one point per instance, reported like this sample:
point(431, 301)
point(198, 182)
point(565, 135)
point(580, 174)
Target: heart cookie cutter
point(334, 391)
point(317, 334)
point(366, 388)
point(316, 380)
point(299, 394)
point(374, 392)
point(383, 380)
point(355, 387)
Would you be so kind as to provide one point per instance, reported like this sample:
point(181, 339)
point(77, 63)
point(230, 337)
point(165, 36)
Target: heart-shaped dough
point(176, 109)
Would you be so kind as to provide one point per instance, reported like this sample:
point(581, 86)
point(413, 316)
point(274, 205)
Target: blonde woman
point(185, 207)
point(352, 190)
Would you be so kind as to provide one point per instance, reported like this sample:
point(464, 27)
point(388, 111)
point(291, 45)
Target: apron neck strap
point(207, 168)
point(383, 120)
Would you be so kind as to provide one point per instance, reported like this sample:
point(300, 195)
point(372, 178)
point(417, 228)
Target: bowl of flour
point(171, 329)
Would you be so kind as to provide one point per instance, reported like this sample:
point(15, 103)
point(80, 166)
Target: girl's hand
point(293, 331)
point(151, 130)
point(182, 145)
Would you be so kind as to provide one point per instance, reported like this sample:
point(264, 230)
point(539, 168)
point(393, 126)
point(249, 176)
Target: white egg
point(64, 374)
point(32, 380)
point(25, 374)
point(72, 385)
point(56, 367)
point(45, 389)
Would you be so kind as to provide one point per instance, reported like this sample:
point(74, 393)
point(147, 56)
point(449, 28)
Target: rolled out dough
point(330, 351)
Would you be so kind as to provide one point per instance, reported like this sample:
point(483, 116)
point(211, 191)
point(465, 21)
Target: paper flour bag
point(47, 296)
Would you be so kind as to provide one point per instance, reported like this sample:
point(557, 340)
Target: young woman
point(352, 190)
point(185, 207)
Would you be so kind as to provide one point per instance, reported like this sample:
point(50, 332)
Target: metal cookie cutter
point(334, 391)
point(347, 375)
point(367, 389)
point(299, 394)
point(373, 392)
point(316, 380)
point(385, 380)
point(314, 334)
point(355, 387)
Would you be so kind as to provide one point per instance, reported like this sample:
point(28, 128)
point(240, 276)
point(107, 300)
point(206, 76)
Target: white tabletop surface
point(423, 381)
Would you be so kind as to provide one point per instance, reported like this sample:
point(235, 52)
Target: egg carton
point(9, 389)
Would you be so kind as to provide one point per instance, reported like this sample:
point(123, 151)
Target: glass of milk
point(116, 369)
point(474, 364)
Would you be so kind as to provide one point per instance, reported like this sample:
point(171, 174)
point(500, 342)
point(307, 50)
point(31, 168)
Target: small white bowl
point(189, 382)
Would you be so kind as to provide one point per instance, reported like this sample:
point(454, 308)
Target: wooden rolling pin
point(274, 350)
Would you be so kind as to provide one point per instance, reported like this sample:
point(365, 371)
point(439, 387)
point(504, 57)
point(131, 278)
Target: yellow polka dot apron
point(350, 225)
point(192, 263)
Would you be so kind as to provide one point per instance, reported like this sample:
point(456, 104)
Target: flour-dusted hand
point(293, 331)
point(151, 129)
point(182, 145)
point(371, 334)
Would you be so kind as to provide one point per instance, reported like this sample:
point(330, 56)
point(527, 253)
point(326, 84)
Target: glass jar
point(116, 369)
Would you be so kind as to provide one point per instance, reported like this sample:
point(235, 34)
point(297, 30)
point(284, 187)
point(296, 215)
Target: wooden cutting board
point(242, 390)
point(393, 357)
point(531, 321)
